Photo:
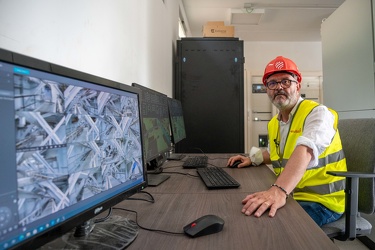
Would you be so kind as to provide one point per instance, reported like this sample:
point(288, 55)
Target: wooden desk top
point(182, 199)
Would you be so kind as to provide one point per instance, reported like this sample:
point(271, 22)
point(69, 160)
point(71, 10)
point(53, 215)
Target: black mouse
point(205, 225)
point(235, 164)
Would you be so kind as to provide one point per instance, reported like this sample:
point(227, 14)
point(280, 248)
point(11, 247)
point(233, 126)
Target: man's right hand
point(245, 161)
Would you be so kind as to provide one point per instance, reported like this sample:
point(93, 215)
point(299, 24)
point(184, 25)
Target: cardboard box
point(217, 29)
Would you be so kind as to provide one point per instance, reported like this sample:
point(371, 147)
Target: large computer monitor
point(156, 126)
point(71, 147)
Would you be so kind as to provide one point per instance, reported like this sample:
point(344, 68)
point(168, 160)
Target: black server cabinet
point(210, 85)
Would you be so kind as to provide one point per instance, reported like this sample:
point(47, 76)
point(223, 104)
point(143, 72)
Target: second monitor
point(177, 125)
point(177, 120)
point(155, 125)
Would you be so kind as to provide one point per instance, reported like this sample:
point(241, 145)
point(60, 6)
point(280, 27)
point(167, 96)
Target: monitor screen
point(155, 121)
point(71, 147)
point(177, 120)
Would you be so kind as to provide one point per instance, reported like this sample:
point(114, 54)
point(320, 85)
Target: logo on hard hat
point(279, 65)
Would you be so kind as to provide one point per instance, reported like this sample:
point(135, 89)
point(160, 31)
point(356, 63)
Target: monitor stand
point(154, 176)
point(154, 180)
point(172, 156)
point(175, 157)
point(116, 232)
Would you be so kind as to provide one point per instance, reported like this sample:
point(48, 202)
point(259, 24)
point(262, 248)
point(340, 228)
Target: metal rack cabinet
point(210, 85)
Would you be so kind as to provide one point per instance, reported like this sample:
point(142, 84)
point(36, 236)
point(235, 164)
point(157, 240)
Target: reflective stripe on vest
point(323, 189)
point(322, 162)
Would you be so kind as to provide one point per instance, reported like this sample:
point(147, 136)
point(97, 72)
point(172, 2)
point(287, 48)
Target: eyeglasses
point(284, 84)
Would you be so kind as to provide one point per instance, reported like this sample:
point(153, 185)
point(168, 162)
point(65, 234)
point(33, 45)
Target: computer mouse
point(235, 164)
point(205, 225)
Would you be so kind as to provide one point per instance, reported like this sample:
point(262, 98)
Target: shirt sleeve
point(256, 155)
point(318, 132)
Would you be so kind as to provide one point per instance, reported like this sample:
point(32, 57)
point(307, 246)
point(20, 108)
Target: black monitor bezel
point(62, 228)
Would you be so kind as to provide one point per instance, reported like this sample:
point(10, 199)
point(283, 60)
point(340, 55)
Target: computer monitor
point(177, 120)
point(178, 132)
point(71, 147)
point(156, 126)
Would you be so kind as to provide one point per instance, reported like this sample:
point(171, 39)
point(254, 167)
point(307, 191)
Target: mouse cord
point(145, 228)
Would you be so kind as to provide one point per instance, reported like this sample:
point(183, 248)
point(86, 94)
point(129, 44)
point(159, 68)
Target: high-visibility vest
point(315, 185)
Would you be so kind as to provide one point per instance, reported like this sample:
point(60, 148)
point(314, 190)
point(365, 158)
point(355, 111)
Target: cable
point(144, 192)
point(145, 228)
point(141, 199)
point(209, 157)
point(129, 198)
point(201, 151)
point(104, 218)
point(175, 166)
point(214, 165)
point(187, 174)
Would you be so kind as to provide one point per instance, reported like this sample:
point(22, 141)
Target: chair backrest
point(358, 141)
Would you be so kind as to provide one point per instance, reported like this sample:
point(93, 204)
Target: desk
point(182, 199)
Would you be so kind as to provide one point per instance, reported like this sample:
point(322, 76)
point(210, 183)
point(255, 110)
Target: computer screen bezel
point(93, 210)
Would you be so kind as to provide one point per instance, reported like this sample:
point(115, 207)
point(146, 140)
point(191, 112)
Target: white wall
point(307, 55)
point(348, 59)
point(122, 40)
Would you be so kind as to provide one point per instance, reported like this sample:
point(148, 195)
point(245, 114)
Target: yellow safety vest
point(315, 185)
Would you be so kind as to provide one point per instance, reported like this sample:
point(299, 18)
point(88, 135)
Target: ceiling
point(280, 20)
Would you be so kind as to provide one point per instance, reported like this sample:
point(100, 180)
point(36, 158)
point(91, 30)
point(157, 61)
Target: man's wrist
point(282, 189)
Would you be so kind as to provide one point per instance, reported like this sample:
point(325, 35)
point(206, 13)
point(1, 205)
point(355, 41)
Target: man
point(304, 144)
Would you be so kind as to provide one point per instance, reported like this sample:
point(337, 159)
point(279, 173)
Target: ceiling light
point(246, 16)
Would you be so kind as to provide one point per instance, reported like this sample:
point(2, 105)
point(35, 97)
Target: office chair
point(358, 141)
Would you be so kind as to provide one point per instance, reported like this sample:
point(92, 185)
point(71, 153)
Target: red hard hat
point(280, 64)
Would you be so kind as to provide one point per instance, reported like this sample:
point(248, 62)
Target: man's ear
point(298, 86)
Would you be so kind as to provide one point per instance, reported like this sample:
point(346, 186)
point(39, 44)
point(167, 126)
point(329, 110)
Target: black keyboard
point(195, 162)
point(215, 177)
